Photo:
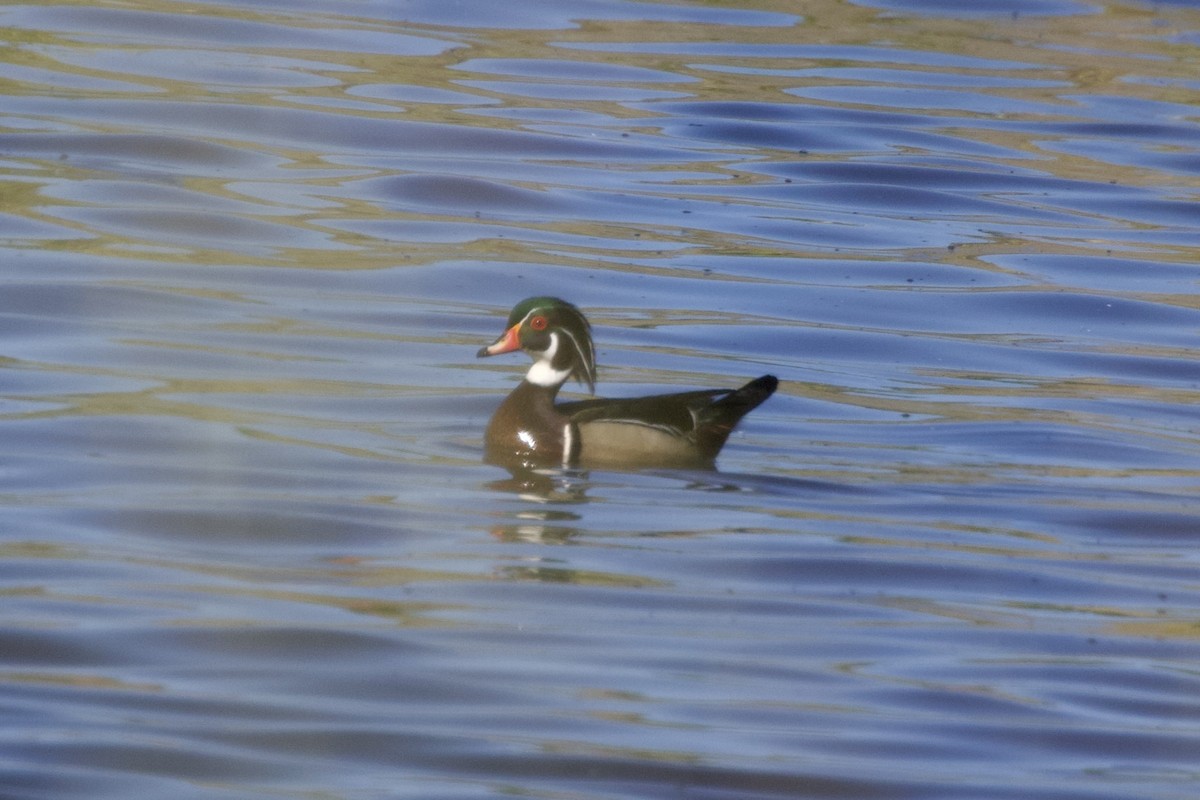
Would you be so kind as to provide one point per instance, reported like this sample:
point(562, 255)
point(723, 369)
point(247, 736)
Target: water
point(248, 545)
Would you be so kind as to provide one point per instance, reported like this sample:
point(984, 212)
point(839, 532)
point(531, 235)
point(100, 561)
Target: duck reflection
point(551, 492)
point(547, 489)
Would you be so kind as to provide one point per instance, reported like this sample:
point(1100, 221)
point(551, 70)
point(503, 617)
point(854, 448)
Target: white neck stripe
point(568, 445)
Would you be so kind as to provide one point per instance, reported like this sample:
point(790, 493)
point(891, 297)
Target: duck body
point(685, 429)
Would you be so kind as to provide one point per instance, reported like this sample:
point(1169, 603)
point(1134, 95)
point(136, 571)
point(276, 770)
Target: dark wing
point(674, 413)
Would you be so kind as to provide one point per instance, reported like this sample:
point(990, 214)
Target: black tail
point(718, 420)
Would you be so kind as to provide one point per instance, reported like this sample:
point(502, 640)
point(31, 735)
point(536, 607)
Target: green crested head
point(558, 337)
point(545, 304)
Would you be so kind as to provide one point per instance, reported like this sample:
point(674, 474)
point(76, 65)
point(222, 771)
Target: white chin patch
point(542, 373)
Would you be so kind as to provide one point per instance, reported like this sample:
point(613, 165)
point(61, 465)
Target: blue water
point(248, 543)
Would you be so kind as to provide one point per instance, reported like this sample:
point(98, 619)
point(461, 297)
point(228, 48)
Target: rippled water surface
point(248, 546)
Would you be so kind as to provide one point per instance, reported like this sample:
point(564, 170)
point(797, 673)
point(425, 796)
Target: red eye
point(538, 323)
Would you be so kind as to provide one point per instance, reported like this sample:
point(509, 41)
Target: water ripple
point(249, 547)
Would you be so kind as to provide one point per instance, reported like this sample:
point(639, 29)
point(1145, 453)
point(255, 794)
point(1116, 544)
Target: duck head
point(556, 335)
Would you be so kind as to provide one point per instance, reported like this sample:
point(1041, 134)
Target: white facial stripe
point(578, 349)
point(550, 352)
point(525, 318)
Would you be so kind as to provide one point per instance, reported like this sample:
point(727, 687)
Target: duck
point(530, 429)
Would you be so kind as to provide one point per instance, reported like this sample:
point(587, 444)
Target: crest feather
point(574, 354)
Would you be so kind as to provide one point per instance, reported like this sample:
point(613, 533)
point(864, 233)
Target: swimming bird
point(529, 429)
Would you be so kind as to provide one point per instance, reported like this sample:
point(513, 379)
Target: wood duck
point(669, 430)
